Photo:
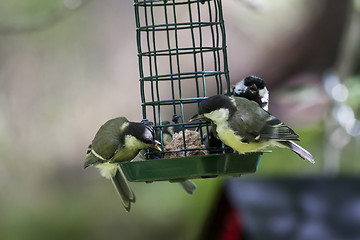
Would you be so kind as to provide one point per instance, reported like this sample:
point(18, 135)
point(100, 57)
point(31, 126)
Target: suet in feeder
point(182, 60)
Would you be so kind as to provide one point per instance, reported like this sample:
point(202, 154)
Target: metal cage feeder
point(182, 60)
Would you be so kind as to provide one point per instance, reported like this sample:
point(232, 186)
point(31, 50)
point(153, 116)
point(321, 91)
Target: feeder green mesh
point(182, 59)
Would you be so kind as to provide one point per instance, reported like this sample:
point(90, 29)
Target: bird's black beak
point(156, 145)
point(253, 88)
point(197, 116)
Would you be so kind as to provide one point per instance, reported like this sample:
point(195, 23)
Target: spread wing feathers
point(275, 130)
point(123, 188)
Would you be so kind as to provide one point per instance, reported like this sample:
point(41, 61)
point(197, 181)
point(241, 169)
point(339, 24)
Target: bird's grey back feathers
point(264, 126)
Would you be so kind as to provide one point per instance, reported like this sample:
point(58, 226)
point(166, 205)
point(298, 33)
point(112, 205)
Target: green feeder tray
point(178, 169)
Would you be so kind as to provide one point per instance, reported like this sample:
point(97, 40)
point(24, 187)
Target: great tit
point(244, 126)
point(253, 88)
point(119, 140)
point(250, 87)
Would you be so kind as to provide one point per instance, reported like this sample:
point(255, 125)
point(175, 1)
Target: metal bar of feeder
point(162, 3)
point(183, 75)
point(178, 26)
point(203, 21)
point(182, 51)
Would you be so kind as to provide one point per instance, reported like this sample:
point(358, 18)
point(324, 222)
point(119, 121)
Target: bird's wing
point(275, 130)
point(106, 147)
point(91, 159)
point(256, 124)
point(109, 138)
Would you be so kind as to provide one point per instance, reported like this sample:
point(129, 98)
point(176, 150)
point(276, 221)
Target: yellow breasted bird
point(119, 140)
point(244, 126)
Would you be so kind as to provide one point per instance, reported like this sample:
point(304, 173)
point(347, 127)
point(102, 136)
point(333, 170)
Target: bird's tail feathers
point(188, 186)
point(123, 188)
point(303, 153)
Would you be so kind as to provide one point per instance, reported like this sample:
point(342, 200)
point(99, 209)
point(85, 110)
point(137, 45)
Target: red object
point(232, 227)
point(224, 222)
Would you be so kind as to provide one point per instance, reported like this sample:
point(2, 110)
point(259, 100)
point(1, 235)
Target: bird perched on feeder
point(119, 140)
point(252, 88)
point(244, 126)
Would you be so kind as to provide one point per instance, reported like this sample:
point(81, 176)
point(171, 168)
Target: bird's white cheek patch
point(148, 134)
point(264, 94)
point(239, 87)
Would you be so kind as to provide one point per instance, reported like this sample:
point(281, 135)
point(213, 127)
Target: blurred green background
point(67, 66)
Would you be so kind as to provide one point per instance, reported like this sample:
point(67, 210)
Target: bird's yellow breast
point(227, 135)
point(130, 149)
point(229, 138)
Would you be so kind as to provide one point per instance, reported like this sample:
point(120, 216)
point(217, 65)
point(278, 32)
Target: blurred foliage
point(353, 84)
point(69, 69)
point(18, 11)
point(26, 16)
point(75, 211)
point(281, 162)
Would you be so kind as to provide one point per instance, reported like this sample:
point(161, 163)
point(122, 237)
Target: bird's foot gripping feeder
point(182, 60)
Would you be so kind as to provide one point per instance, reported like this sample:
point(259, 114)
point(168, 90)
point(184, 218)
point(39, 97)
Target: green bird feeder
point(182, 60)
